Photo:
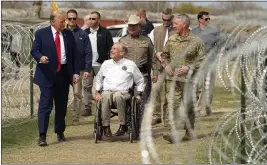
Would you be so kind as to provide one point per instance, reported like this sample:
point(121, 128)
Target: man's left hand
point(75, 78)
point(183, 70)
point(159, 56)
point(86, 75)
point(154, 79)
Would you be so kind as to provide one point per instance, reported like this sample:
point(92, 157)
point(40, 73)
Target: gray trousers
point(207, 90)
point(119, 100)
point(84, 85)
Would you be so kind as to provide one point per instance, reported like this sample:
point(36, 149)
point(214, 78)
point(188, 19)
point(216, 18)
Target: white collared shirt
point(62, 46)
point(93, 39)
point(119, 76)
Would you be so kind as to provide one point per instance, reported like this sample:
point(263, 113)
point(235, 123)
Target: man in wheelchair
point(113, 83)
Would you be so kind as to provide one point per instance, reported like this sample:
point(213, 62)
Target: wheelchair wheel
point(134, 120)
point(97, 125)
point(96, 139)
point(131, 137)
point(98, 133)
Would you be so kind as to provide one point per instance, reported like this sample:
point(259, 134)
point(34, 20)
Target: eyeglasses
point(92, 19)
point(206, 19)
point(72, 19)
point(166, 20)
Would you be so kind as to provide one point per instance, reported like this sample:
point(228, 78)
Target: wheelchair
point(133, 119)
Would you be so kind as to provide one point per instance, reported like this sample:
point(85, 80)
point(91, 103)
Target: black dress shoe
point(61, 137)
point(107, 131)
point(87, 111)
point(121, 130)
point(42, 140)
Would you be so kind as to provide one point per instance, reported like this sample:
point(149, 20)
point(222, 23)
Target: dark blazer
point(147, 28)
point(104, 43)
point(84, 50)
point(44, 45)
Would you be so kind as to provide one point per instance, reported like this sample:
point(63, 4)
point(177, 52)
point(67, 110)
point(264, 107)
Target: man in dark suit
point(84, 51)
point(54, 50)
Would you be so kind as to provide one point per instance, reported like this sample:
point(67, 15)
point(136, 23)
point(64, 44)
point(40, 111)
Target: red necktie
point(57, 42)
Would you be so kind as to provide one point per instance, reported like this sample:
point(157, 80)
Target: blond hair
point(56, 14)
point(167, 11)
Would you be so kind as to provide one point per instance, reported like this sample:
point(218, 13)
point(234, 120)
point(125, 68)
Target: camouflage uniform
point(188, 51)
point(141, 51)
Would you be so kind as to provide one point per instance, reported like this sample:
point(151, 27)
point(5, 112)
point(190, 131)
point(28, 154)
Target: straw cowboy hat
point(133, 20)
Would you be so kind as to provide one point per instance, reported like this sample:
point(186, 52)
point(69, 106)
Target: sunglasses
point(72, 19)
point(166, 20)
point(92, 19)
point(207, 19)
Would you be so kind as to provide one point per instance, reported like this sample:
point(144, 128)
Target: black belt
point(143, 69)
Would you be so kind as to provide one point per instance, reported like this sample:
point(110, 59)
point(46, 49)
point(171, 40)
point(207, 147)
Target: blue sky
point(202, 3)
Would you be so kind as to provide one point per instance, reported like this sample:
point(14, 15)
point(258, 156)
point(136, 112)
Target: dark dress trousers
point(54, 86)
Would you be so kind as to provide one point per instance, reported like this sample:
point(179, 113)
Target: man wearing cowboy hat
point(141, 51)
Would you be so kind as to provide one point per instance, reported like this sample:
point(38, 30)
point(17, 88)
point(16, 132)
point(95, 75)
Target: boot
point(121, 131)
point(208, 111)
point(42, 140)
point(87, 111)
point(168, 138)
point(156, 120)
point(107, 131)
point(188, 136)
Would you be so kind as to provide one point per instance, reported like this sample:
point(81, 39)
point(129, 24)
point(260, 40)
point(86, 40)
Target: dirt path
point(80, 147)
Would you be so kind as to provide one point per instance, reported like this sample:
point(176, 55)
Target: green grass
point(20, 135)
point(23, 134)
point(225, 99)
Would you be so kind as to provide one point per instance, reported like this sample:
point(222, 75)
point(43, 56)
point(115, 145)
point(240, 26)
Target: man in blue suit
point(54, 50)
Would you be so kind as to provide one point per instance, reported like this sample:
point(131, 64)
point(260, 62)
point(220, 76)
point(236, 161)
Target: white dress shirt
point(62, 46)
point(119, 76)
point(93, 39)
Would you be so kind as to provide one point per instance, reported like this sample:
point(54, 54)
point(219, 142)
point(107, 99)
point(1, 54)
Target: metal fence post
point(31, 78)
point(243, 116)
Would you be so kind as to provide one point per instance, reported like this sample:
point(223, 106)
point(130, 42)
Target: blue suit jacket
point(44, 45)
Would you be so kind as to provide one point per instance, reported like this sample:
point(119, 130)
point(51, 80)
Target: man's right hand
point(44, 60)
point(138, 99)
point(86, 75)
point(97, 96)
point(158, 54)
point(169, 70)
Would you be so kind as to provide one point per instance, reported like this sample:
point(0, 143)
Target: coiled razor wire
point(15, 72)
point(241, 54)
point(233, 59)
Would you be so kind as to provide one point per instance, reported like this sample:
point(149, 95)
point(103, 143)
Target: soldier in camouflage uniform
point(141, 51)
point(182, 54)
